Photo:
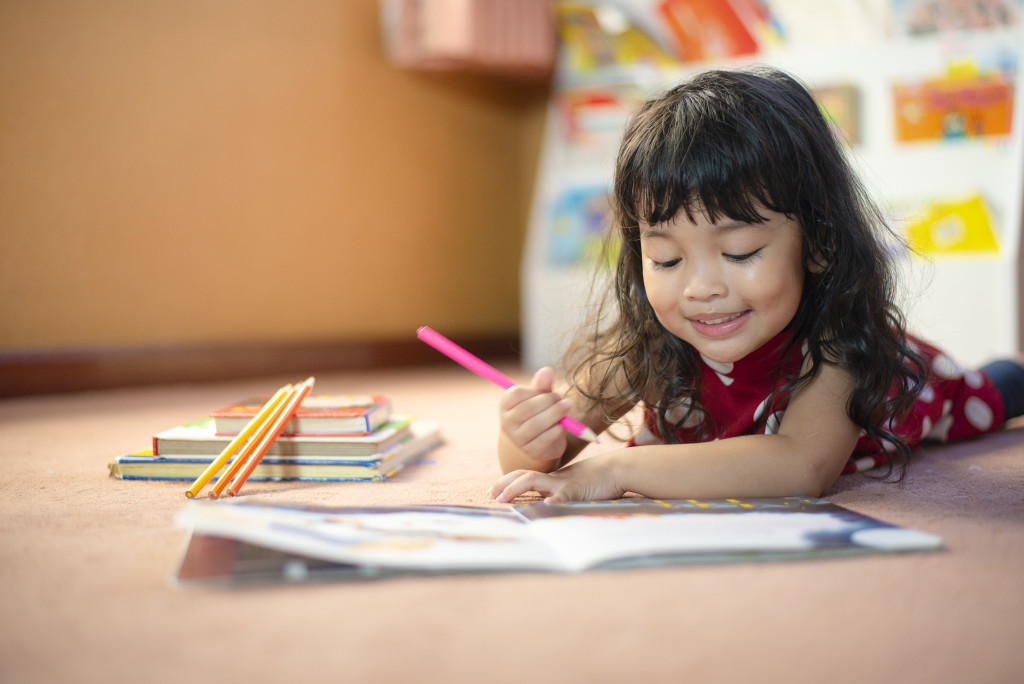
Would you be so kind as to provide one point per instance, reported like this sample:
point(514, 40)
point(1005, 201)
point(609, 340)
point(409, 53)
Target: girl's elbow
point(817, 478)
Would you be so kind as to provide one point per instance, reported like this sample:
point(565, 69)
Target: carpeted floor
point(85, 592)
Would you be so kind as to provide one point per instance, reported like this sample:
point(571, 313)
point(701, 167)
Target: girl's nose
point(704, 283)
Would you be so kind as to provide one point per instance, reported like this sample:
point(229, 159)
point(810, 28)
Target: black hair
point(727, 143)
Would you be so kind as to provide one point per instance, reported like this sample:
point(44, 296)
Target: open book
point(240, 541)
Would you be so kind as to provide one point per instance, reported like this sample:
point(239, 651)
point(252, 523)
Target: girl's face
point(724, 288)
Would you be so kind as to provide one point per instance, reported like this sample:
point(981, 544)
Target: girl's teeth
point(718, 321)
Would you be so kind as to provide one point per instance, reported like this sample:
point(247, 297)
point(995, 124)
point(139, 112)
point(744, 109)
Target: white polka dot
point(941, 430)
point(944, 367)
point(864, 463)
point(979, 414)
point(947, 406)
point(974, 379)
point(773, 423)
point(804, 348)
point(726, 380)
point(645, 437)
point(724, 368)
point(926, 426)
point(760, 409)
point(927, 394)
point(679, 409)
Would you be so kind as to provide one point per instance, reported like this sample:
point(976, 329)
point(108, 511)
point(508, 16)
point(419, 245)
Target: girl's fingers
point(519, 482)
point(543, 379)
point(582, 481)
point(533, 424)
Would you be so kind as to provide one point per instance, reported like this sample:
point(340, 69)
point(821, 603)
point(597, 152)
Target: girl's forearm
point(511, 457)
point(750, 466)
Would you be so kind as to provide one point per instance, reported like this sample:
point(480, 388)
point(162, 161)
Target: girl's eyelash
point(736, 258)
point(742, 257)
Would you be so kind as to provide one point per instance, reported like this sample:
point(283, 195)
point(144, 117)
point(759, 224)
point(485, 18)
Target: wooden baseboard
point(52, 372)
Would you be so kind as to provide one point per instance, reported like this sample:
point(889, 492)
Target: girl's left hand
point(590, 479)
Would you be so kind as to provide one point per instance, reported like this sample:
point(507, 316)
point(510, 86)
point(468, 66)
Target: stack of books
point(330, 438)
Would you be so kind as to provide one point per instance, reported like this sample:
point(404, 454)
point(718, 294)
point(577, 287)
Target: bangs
point(702, 151)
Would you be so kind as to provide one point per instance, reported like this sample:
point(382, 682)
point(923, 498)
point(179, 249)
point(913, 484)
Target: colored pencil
point(489, 372)
point(224, 480)
point(238, 441)
point(282, 419)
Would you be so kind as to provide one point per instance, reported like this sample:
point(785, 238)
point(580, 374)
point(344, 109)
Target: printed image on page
point(413, 537)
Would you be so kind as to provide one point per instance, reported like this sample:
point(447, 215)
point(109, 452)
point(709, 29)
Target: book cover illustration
point(578, 221)
point(840, 105)
point(954, 107)
point(711, 29)
point(324, 414)
point(261, 542)
point(956, 226)
point(596, 36)
point(931, 17)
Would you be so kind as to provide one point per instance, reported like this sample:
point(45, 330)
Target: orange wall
point(186, 171)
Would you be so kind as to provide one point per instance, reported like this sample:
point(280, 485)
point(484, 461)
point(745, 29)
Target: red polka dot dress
point(956, 403)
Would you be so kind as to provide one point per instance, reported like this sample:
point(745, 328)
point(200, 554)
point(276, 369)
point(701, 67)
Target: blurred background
point(195, 190)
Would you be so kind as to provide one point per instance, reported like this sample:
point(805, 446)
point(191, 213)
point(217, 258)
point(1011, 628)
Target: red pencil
point(272, 434)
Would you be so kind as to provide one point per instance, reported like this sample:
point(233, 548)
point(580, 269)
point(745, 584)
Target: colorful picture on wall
point(952, 108)
point(930, 17)
point(841, 106)
point(953, 227)
point(578, 220)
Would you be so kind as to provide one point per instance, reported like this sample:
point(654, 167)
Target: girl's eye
point(665, 264)
point(742, 257)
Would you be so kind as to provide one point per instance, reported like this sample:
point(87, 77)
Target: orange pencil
point(254, 442)
point(282, 419)
point(230, 449)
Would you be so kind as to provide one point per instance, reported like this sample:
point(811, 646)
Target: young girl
point(754, 318)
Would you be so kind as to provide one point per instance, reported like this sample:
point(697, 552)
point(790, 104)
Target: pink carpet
point(85, 592)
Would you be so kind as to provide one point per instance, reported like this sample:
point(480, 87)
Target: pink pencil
point(489, 372)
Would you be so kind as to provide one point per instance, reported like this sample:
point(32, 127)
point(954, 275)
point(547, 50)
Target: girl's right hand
point(529, 424)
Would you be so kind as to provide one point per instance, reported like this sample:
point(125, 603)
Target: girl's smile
point(728, 287)
point(711, 325)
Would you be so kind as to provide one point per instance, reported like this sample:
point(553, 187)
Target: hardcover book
point(202, 439)
point(323, 414)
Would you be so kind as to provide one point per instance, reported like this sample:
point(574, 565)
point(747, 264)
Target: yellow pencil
point(282, 418)
point(231, 448)
point(262, 430)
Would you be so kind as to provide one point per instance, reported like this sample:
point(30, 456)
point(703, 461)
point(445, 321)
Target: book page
point(643, 531)
point(452, 538)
